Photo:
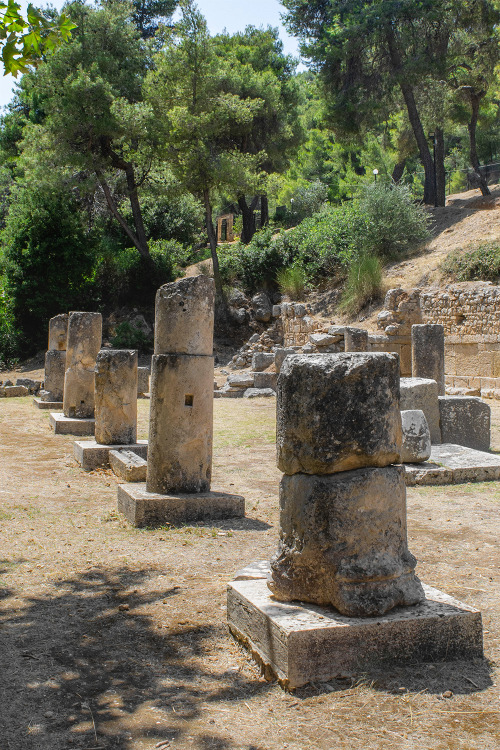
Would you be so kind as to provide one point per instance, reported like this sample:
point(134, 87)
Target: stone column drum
point(58, 332)
point(427, 353)
point(55, 359)
point(181, 416)
point(116, 397)
point(343, 539)
point(84, 342)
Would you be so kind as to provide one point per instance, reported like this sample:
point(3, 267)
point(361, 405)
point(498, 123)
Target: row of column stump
point(341, 593)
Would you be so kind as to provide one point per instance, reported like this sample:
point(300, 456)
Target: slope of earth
point(114, 638)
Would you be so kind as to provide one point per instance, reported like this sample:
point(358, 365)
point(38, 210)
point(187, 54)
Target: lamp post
point(375, 173)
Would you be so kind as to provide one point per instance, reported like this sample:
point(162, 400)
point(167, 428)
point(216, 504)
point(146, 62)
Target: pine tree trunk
point(212, 238)
point(247, 214)
point(264, 211)
point(474, 159)
point(398, 170)
point(440, 170)
point(140, 232)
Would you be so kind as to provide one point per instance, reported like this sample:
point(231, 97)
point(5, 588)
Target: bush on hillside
point(478, 264)
point(363, 284)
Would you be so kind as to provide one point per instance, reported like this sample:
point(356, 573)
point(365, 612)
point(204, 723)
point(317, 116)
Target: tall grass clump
point(292, 282)
point(363, 285)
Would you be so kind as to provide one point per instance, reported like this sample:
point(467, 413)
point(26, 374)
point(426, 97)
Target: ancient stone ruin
point(83, 345)
point(51, 397)
point(179, 465)
point(341, 592)
point(115, 409)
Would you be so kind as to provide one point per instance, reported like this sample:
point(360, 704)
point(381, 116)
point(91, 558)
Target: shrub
point(292, 282)
point(128, 336)
point(363, 285)
point(308, 200)
point(391, 224)
point(478, 264)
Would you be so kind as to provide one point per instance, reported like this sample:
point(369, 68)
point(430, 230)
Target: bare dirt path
point(113, 637)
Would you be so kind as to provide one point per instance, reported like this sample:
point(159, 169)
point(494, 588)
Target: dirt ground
point(114, 637)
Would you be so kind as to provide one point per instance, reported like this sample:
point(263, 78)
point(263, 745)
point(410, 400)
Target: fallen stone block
point(280, 356)
point(257, 392)
point(465, 420)
point(241, 379)
point(261, 361)
point(266, 380)
point(416, 445)
point(127, 465)
point(15, 391)
point(33, 386)
point(92, 455)
point(422, 394)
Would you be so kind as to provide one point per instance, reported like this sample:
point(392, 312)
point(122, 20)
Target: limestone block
point(116, 397)
point(279, 357)
point(184, 317)
point(416, 437)
point(338, 412)
point(343, 542)
point(422, 393)
point(427, 344)
point(55, 368)
point(337, 332)
point(241, 379)
point(322, 339)
point(258, 392)
point(262, 360)
point(128, 466)
point(465, 420)
point(266, 380)
point(142, 380)
point(262, 307)
point(276, 311)
point(355, 340)
point(58, 332)
point(15, 391)
point(405, 360)
point(180, 427)
point(84, 342)
point(33, 386)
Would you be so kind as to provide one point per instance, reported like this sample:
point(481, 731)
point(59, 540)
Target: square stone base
point(454, 464)
point(91, 455)
point(301, 643)
point(47, 404)
point(68, 426)
point(144, 508)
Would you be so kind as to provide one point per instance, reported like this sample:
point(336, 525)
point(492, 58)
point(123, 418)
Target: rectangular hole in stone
point(188, 399)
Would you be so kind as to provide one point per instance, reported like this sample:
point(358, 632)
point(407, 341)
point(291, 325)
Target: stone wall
point(298, 324)
point(463, 309)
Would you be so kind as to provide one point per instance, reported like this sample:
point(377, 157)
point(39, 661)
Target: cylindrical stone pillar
point(84, 342)
point(343, 540)
point(58, 332)
point(427, 353)
point(181, 390)
point(55, 367)
point(116, 397)
point(355, 340)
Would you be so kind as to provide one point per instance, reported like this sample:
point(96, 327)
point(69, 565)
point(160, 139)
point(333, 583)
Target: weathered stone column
point(427, 353)
point(343, 536)
point(84, 342)
point(55, 360)
point(116, 397)
point(355, 340)
point(181, 416)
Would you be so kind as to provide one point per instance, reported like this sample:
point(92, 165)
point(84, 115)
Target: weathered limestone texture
point(343, 542)
point(116, 397)
point(454, 464)
point(338, 412)
point(401, 311)
point(422, 394)
point(128, 465)
point(58, 332)
point(55, 368)
point(184, 317)
point(465, 420)
point(427, 348)
point(355, 340)
point(179, 466)
point(93, 455)
point(84, 342)
point(180, 424)
point(142, 380)
point(416, 445)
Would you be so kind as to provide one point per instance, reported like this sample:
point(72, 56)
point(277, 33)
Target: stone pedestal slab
point(143, 508)
point(454, 464)
point(63, 425)
point(92, 455)
point(305, 643)
point(338, 412)
point(40, 404)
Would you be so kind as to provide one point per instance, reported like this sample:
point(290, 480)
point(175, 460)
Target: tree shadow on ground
point(88, 667)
